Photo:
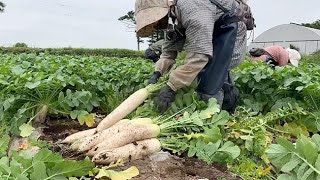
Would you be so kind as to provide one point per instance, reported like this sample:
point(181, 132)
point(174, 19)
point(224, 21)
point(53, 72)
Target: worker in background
point(197, 25)
point(276, 55)
point(154, 51)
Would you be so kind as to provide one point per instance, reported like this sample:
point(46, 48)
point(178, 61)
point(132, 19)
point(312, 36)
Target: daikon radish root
point(133, 133)
point(132, 151)
point(75, 145)
point(83, 134)
point(79, 135)
point(126, 107)
point(112, 132)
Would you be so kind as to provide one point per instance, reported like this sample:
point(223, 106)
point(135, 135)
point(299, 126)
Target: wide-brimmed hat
point(147, 13)
point(294, 57)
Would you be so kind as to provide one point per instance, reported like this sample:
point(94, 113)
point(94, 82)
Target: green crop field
point(272, 135)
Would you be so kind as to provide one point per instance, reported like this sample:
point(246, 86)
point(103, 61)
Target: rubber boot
point(218, 96)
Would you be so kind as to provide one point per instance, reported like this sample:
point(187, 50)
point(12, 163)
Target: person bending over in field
point(206, 28)
point(154, 51)
point(276, 55)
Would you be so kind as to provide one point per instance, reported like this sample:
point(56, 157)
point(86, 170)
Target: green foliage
point(264, 89)
point(314, 58)
point(45, 165)
point(2, 5)
point(214, 152)
point(296, 161)
point(128, 18)
point(251, 168)
point(195, 129)
point(21, 45)
point(26, 130)
point(192, 121)
point(156, 36)
point(120, 53)
point(65, 85)
point(283, 101)
point(315, 24)
point(4, 144)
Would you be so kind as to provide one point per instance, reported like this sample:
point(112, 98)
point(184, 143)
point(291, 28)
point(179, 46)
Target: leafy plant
point(263, 88)
point(214, 152)
point(44, 165)
point(4, 143)
point(251, 168)
point(73, 86)
point(296, 161)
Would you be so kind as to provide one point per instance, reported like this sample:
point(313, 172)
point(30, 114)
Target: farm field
point(44, 98)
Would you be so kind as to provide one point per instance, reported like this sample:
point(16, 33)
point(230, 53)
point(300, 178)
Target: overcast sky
point(94, 24)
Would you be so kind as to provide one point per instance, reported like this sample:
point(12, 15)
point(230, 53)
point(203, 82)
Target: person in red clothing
point(276, 55)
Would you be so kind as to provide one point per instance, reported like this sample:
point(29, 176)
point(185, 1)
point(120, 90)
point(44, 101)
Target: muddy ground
point(162, 166)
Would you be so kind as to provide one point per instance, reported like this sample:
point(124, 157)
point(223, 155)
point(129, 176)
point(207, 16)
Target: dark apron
point(215, 73)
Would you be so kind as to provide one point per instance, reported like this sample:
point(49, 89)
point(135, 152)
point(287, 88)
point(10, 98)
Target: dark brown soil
point(170, 168)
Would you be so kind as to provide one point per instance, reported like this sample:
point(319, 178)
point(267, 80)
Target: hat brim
point(147, 17)
point(294, 57)
point(294, 62)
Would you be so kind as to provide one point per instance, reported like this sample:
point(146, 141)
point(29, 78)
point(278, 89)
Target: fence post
point(305, 47)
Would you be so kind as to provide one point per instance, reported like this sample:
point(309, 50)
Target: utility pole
point(138, 41)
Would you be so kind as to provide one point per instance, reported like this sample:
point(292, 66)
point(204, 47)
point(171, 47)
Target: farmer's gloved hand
point(165, 98)
point(154, 78)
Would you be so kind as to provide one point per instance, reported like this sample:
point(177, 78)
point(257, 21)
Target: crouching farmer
point(276, 55)
point(207, 29)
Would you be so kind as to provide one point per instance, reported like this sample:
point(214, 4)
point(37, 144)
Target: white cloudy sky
point(83, 23)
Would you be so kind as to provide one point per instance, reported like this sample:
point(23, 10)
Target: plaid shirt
point(197, 17)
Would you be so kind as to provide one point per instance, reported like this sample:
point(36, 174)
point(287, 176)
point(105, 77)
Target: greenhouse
point(307, 40)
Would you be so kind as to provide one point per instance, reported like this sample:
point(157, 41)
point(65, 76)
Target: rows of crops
point(273, 134)
point(65, 85)
point(123, 53)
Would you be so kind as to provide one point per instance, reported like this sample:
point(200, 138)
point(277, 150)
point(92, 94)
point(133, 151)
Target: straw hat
point(147, 13)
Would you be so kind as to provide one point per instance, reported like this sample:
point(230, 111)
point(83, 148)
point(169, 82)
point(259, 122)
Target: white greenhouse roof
point(289, 32)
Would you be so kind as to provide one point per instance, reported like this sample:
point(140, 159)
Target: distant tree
point(156, 36)
point(21, 45)
point(130, 22)
point(294, 47)
point(2, 5)
point(315, 24)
